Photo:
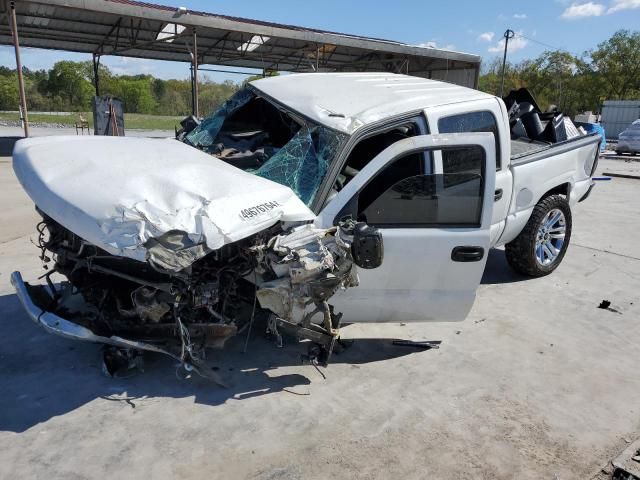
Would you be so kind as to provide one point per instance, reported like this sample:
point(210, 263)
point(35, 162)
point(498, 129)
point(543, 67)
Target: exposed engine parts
point(287, 277)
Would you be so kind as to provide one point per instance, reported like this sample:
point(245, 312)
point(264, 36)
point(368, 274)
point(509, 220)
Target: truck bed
point(523, 151)
point(521, 148)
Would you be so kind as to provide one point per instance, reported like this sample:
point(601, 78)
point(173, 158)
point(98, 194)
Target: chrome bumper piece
point(52, 323)
point(57, 325)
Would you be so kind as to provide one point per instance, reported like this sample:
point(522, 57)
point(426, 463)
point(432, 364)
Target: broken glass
point(303, 162)
point(205, 134)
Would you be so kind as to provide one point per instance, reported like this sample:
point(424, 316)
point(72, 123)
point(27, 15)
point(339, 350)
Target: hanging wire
point(537, 41)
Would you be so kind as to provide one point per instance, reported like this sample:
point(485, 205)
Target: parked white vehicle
point(629, 139)
point(281, 193)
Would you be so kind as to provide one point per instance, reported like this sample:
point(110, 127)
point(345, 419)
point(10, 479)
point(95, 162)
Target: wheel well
point(562, 189)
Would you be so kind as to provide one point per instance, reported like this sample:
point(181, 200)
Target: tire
point(539, 248)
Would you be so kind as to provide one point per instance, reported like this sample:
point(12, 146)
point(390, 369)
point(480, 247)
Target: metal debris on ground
point(302, 394)
point(604, 304)
point(127, 400)
point(622, 175)
point(426, 345)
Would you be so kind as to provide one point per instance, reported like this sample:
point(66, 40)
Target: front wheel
point(541, 245)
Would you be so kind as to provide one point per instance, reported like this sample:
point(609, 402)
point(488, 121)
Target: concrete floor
point(536, 383)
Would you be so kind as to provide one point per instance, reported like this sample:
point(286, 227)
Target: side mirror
point(367, 247)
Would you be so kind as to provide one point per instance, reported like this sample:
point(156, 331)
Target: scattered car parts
point(131, 305)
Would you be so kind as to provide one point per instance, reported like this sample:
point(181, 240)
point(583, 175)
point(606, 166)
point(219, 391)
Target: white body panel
point(531, 180)
point(522, 184)
point(118, 192)
point(418, 280)
point(503, 176)
point(348, 101)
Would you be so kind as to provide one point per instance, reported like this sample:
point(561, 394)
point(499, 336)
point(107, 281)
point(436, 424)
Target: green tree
point(617, 63)
point(554, 78)
point(212, 94)
point(9, 94)
point(104, 74)
point(551, 78)
point(67, 80)
point(135, 93)
point(491, 77)
point(159, 88)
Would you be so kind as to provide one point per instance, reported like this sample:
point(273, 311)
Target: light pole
point(509, 34)
point(16, 46)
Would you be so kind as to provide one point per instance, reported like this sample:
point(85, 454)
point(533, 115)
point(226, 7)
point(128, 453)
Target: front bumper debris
point(57, 325)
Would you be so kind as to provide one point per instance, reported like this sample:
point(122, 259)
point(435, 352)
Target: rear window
point(482, 121)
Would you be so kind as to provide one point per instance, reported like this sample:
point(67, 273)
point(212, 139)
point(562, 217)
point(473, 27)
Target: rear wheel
point(543, 242)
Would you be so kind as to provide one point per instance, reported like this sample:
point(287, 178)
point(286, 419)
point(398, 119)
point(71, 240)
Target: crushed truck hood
point(125, 194)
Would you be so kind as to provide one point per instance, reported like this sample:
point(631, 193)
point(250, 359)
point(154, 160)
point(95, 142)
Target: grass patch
point(150, 122)
point(131, 120)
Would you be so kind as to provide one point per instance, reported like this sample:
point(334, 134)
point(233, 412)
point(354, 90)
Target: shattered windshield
point(303, 162)
point(253, 134)
point(204, 134)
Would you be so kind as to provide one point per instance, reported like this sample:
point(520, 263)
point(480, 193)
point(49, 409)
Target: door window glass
point(404, 195)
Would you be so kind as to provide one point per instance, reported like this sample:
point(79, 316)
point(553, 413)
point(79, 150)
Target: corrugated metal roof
point(131, 28)
point(247, 20)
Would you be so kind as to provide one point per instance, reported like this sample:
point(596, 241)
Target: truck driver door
point(431, 196)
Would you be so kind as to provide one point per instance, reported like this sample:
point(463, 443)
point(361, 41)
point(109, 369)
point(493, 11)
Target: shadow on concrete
point(498, 270)
point(6, 145)
point(44, 376)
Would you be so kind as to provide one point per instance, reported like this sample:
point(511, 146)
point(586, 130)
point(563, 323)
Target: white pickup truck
point(266, 207)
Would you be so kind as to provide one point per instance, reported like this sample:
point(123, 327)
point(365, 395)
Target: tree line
point(68, 86)
point(573, 83)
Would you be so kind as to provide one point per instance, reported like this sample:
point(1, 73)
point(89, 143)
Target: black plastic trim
point(586, 195)
point(467, 254)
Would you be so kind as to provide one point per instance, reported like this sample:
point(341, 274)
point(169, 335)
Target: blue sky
point(463, 25)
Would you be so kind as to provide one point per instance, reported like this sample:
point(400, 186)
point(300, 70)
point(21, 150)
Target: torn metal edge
point(56, 325)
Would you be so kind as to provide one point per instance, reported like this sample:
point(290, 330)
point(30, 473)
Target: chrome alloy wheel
point(550, 237)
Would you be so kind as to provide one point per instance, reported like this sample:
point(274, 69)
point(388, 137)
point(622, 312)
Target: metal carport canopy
point(135, 29)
